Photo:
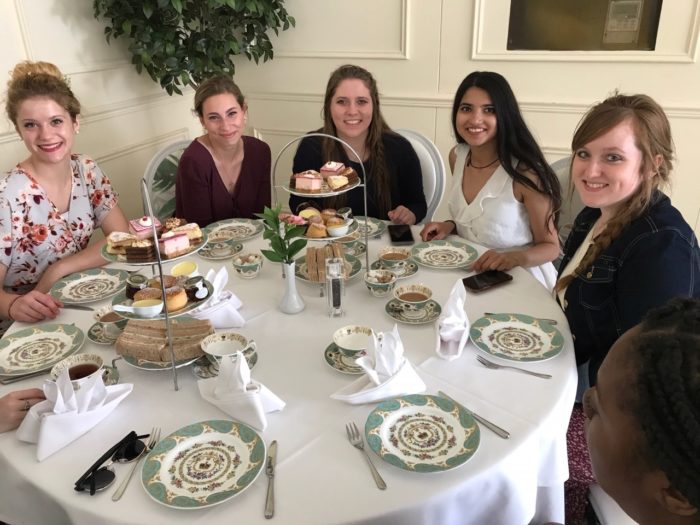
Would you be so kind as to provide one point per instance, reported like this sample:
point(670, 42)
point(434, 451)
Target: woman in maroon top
point(222, 174)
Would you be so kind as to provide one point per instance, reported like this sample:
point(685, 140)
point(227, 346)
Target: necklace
point(469, 163)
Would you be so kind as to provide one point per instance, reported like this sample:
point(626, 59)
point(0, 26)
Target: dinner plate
point(191, 305)
point(374, 227)
point(38, 348)
point(444, 254)
point(111, 257)
point(406, 270)
point(410, 314)
point(97, 334)
point(233, 230)
point(351, 262)
point(326, 191)
point(217, 251)
point(422, 433)
point(329, 238)
point(203, 464)
point(341, 362)
point(89, 285)
point(516, 337)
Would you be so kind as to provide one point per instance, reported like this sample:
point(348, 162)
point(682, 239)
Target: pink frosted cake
point(173, 244)
point(142, 228)
point(309, 180)
point(332, 168)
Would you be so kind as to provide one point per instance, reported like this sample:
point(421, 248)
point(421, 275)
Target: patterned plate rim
point(115, 258)
point(121, 297)
point(377, 265)
point(331, 348)
point(472, 254)
point(236, 248)
point(143, 364)
point(255, 223)
point(379, 224)
point(426, 320)
point(255, 445)
point(58, 287)
point(355, 268)
point(77, 341)
point(394, 406)
point(556, 338)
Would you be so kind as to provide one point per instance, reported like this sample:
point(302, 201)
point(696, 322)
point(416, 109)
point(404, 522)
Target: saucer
point(358, 250)
point(407, 270)
point(342, 363)
point(220, 250)
point(96, 334)
point(404, 313)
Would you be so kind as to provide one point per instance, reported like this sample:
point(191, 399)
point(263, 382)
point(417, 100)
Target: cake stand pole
point(363, 182)
point(149, 211)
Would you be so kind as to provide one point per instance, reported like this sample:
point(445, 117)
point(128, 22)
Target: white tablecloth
point(320, 478)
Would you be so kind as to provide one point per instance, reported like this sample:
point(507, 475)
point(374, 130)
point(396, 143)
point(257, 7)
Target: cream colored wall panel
point(13, 49)
point(324, 36)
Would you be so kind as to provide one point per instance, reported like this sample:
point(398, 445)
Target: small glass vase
point(292, 302)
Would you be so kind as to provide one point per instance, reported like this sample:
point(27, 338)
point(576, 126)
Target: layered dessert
point(332, 168)
point(173, 244)
point(310, 181)
point(143, 227)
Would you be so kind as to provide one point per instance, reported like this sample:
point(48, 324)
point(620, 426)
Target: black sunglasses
point(99, 477)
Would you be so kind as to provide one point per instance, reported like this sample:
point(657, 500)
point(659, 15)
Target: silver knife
point(78, 307)
point(270, 471)
point(491, 426)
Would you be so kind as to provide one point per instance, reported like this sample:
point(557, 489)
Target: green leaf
point(272, 256)
point(177, 4)
point(148, 10)
point(277, 244)
point(296, 247)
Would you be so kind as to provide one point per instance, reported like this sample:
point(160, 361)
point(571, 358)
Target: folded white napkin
point(67, 414)
point(222, 308)
point(234, 392)
point(453, 325)
point(388, 372)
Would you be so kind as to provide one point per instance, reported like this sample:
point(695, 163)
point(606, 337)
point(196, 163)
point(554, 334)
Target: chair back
point(432, 167)
point(570, 208)
point(160, 178)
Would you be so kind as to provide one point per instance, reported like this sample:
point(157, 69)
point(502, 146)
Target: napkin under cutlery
point(453, 325)
point(234, 392)
point(387, 372)
point(222, 308)
point(67, 414)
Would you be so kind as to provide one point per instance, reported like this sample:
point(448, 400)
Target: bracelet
point(9, 307)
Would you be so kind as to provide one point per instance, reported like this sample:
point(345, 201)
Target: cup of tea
point(352, 340)
point(248, 265)
point(81, 367)
point(112, 323)
point(393, 257)
point(225, 344)
point(413, 294)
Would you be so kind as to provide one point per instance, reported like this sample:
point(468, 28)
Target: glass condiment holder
point(335, 286)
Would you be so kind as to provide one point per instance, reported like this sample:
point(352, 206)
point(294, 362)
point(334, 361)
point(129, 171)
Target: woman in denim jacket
point(630, 250)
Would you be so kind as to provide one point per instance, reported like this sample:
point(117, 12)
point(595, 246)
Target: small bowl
point(352, 339)
point(144, 308)
point(338, 230)
point(380, 282)
point(247, 265)
point(392, 257)
point(184, 268)
point(413, 294)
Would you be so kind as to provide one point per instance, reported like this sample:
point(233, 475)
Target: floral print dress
point(34, 234)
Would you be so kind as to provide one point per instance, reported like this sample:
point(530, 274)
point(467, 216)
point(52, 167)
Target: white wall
point(419, 51)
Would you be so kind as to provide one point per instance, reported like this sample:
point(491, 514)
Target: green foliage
point(182, 42)
point(284, 238)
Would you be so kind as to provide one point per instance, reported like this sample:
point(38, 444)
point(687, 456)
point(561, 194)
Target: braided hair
point(667, 392)
point(652, 137)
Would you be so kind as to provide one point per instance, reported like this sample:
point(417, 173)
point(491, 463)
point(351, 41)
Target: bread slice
point(147, 340)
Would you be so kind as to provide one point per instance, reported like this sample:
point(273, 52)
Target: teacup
point(349, 241)
point(184, 269)
point(392, 257)
point(380, 282)
point(352, 340)
point(225, 344)
point(112, 323)
point(413, 294)
point(81, 367)
point(247, 265)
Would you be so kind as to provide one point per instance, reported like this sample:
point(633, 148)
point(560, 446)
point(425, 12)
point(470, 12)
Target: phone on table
point(400, 234)
point(485, 280)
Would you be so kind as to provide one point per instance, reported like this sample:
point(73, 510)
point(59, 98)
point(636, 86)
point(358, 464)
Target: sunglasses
point(100, 476)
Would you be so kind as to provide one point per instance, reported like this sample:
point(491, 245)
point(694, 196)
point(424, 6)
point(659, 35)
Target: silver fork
point(496, 366)
point(155, 437)
point(356, 441)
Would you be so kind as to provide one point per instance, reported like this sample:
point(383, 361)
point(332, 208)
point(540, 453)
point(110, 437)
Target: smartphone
point(485, 280)
point(400, 234)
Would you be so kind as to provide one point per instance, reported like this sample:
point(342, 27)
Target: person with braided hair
point(352, 113)
point(629, 250)
point(643, 417)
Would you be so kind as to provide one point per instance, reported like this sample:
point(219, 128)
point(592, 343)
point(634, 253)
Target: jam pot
point(196, 289)
point(134, 283)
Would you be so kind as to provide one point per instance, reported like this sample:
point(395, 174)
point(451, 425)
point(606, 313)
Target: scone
point(316, 231)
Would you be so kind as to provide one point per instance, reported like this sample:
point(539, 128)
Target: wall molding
point(129, 149)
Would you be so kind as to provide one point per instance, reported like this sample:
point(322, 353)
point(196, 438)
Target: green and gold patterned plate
point(203, 464)
point(342, 363)
point(444, 255)
point(352, 263)
point(231, 230)
point(218, 251)
point(89, 285)
point(422, 433)
point(516, 337)
point(401, 271)
point(411, 314)
point(374, 227)
point(38, 348)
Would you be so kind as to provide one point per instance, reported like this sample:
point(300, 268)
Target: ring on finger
point(27, 406)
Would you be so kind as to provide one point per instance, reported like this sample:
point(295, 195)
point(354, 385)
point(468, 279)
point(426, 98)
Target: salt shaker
point(335, 286)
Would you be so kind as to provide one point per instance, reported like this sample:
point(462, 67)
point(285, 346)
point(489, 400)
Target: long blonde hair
point(652, 133)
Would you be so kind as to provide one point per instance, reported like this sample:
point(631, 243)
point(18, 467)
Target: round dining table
point(320, 478)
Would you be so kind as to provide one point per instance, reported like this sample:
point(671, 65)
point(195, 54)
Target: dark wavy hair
point(666, 396)
point(513, 138)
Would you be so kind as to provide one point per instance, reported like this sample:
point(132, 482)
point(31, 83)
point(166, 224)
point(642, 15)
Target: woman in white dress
point(504, 194)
